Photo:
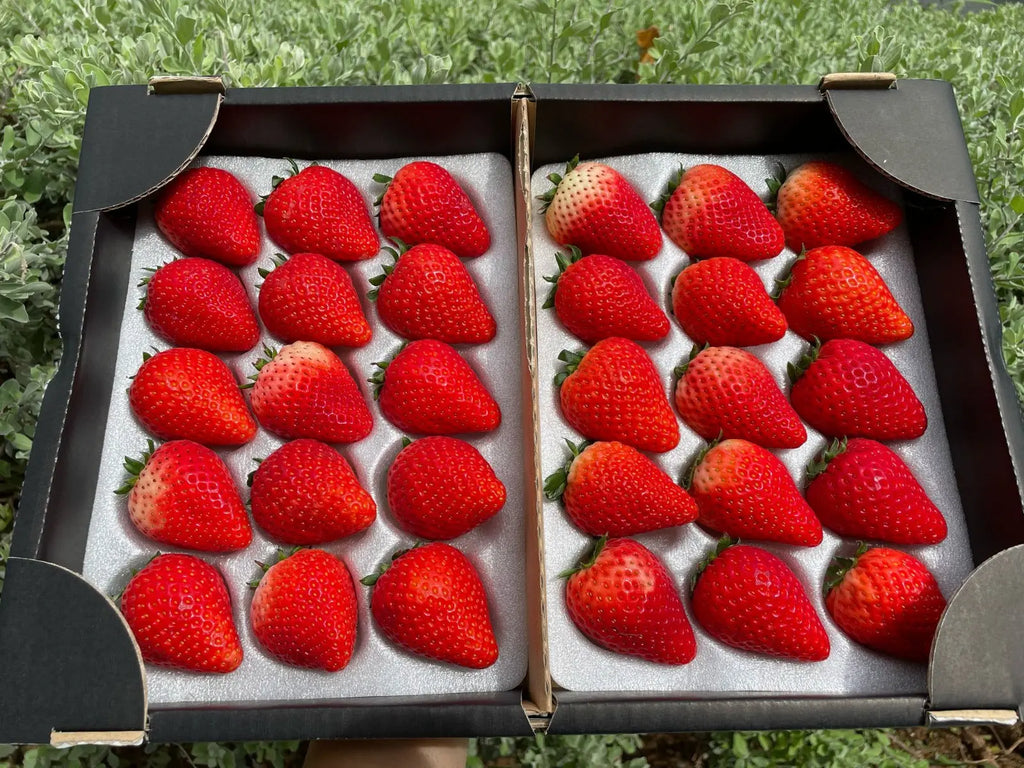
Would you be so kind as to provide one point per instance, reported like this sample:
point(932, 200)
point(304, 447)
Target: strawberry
point(833, 292)
point(848, 388)
point(304, 390)
point(190, 394)
point(886, 600)
point(430, 601)
point(424, 204)
point(722, 301)
point(748, 598)
point(710, 211)
point(613, 392)
point(860, 488)
point(623, 599)
point(597, 296)
point(822, 203)
point(207, 212)
point(318, 210)
point(200, 303)
point(725, 391)
point(429, 389)
point(743, 490)
point(311, 298)
point(428, 294)
point(306, 493)
point(596, 209)
point(182, 494)
point(611, 489)
point(440, 488)
point(179, 610)
point(304, 611)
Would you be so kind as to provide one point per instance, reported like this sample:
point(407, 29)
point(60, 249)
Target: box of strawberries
point(572, 408)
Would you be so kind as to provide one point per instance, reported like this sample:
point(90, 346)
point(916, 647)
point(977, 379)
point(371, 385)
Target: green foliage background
point(51, 53)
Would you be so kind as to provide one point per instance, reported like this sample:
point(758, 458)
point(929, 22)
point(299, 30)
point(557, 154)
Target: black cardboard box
point(72, 673)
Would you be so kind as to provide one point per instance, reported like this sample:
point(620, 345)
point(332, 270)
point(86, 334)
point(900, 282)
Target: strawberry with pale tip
point(182, 494)
point(305, 390)
point(611, 489)
point(596, 209)
point(749, 599)
point(207, 212)
point(623, 598)
point(430, 601)
point(199, 303)
point(304, 611)
point(614, 392)
point(190, 394)
point(179, 611)
point(318, 210)
point(745, 491)
point(710, 211)
point(424, 203)
point(596, 297)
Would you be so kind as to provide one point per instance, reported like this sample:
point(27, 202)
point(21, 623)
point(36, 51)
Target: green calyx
point(555, 483)
point(380, 178)
point(135, 466)
point(572, 361)
point(673, 184)
point(687, 480)
point(556, 179)
point(775, 182)
point(275, 182)
point(798, 369)
point(378, 280)
point(820, 463)
point(680, 370)
point(588, 561)
point(782, 283)
point(279, 260)
point(840, 566)
point(144, 282)
point(372, 578)
point(377, 377)
point(563, 260)
point(251, 475)
point(269, 353)
point(723, 544)
point(280, 555)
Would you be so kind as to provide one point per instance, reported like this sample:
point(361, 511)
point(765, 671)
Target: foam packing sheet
point(496, 548)
point(580, 665)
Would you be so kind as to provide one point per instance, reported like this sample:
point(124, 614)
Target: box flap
point(977, 656)
point(69, 652)
point(123, 126)
point(910, 133)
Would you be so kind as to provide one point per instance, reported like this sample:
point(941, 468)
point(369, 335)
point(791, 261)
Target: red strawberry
point(724, 391)
point(182, 494)
point(424, 204)
point(613, 392)
point(833, 292)
point(623, 599)
point(311, 298)
point(207, 212)
point(430, 601)
point(440, 488)
point(744, 491)
point(306, 391)
point(710, 211)
point(306, 493)
point(723, 302)
point(597, 296)
point(429, 389)
point(862, 489)
point(318, 210)
point(611, 489)
point(200, 303)
point(595, 208)
point(179, 610)
point(304, 611)
point(190, 394)
point(748, 598)
point(822, 203)
point(847, 387)
point(428, 294)
point(886, 600)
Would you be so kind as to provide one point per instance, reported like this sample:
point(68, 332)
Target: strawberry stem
point(798, 369)
point(775, 182)
point(372, 578)
point(840, 566)
point(556, 179)
point(135, 466)
point(377, 377)
point(673, 183)
point(820, 463)
point(680, 370)
point(572, 361)
point(563, 261)
point(687, 480)
point(588, 560)
point(723, 544)
point(378, 280)
point(555, 483)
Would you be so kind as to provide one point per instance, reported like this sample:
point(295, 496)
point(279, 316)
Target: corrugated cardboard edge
point(958, 717)
point(68, 739)
point(539, 704)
